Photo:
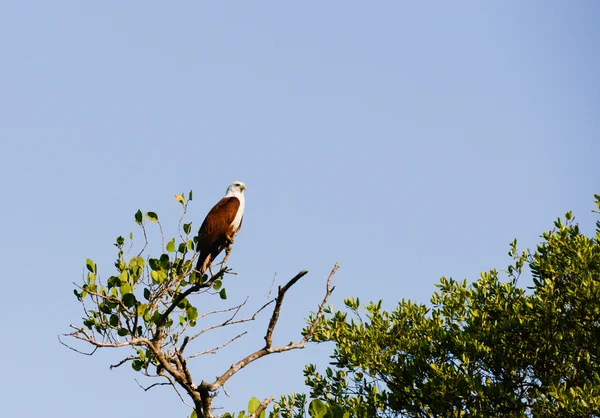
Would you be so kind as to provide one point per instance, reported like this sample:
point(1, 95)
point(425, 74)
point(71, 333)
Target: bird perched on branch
point(220, 226)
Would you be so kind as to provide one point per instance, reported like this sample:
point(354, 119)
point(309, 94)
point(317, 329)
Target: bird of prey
point(220, 226)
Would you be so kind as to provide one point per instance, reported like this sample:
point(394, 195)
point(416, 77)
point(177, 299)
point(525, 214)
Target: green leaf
point(122, 332)
point(114, 320)
point(317, 409)
point(253, 405)
point(91, 279)
point(191, 313)
point(125, 288)
point(158, 276)
point(190, 195)
point(141, 262)
point(90, 265)
point(223, 294)
point(137, 365)
point(155, 317)
point(154, 264)
point(105, 308)
point(171, 245)
point(146, 293)
point(152, 216)
point(194, 415)
point(164, 261)
point(129, 299)
point(187, 228)
point(217, 284)
point(138, 217)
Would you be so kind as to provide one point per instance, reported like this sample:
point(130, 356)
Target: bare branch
point(214, 350)
point(74, 349)
point(272, 285)
point(179, 229)
point(220, 381)
point(230, 322)
point(234, 308)
point(170, 379)
point(329, 291)
point(162, 235)
point(125, 360)
point(145, 239)
point(278, 302)
point(146, 389)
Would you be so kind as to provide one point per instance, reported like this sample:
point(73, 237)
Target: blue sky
point(405, 141)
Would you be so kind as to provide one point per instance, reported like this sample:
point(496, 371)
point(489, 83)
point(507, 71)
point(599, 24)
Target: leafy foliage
point(486, 349)
point(135, 301)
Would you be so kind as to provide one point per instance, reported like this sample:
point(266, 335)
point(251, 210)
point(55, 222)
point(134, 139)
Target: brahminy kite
point(220, 226)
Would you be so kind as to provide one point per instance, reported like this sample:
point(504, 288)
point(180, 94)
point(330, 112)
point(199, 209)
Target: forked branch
point(268, 349)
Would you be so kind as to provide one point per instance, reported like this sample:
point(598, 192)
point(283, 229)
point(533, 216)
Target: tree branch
point(83, 335)
point(220, 381)
point(214, 350)
point(146, 389)
point(125, 360)
point(231, 322)
point(277, 309)
point(74, 349)
point(329, 290)
point(195, 288)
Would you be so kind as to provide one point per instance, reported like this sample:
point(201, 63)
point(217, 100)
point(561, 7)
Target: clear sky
point(404, 140)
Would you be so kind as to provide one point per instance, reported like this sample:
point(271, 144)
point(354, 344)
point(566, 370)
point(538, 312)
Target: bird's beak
point(243, 187)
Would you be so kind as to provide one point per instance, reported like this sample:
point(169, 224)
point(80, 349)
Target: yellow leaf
point(180, 198)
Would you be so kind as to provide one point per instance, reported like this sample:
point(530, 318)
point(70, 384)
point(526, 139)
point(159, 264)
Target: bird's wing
point(217, 221)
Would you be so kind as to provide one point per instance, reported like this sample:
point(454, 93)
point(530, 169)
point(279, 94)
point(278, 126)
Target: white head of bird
point(236, 189)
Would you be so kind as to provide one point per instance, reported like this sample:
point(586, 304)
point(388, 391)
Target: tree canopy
point(492, 347)
point(489, 348)
point(150, 306)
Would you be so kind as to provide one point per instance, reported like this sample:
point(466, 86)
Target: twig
point(272, 285)
point(214, 350)
point(74, 349)
point(125, 360)
point(236, 308)
point(180, 221)
point(162, 235)
point(146, 389)
point(329, 290)
point(129, 249)
point(230, 322)
point(145, 237)
point(82, 334)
